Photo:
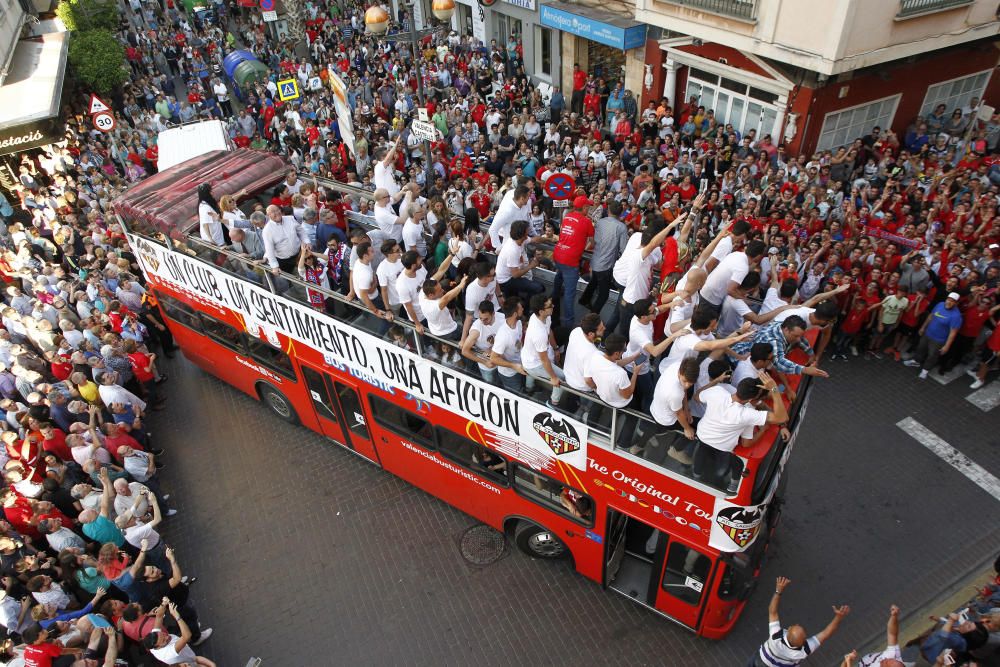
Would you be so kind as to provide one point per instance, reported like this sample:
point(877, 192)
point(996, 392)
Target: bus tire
point(539, 542)
point(277, 403)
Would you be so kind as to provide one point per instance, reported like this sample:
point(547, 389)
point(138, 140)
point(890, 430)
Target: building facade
point(817, 75)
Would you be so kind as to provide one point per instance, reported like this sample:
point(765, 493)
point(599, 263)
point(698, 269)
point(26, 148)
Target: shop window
point(543, 49)
point(606, 62)
point(954, 94)
point(840, 128)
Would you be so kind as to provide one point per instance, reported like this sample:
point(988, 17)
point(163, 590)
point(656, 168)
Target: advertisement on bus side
point(519, 428)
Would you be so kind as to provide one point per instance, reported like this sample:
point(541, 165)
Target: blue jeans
point(564, 290)
point(514, 383)
point(522, 287)
point(540, 373)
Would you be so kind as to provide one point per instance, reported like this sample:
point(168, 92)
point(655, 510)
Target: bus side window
point(554, 495)
point(223, 333)
point(472, 455)
point(401, 421)
point(271, 357)
point(686, 573)
point(179, 312)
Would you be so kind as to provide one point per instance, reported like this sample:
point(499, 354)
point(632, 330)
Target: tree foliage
point(98, 60)
point(85, 15)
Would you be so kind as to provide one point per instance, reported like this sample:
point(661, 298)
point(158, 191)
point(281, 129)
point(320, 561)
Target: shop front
point(30, 99)
point(605, 44)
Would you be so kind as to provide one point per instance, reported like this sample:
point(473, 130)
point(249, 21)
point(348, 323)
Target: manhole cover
point(482, 545)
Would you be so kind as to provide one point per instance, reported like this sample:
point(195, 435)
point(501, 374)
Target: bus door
point(648, 566)
point(685, 581)
point(631, 565)
point(339, 411)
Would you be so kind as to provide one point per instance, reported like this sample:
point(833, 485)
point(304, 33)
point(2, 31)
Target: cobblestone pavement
point(308, 555)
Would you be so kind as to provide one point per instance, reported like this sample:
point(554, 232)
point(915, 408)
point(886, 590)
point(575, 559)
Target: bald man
point(785, 648)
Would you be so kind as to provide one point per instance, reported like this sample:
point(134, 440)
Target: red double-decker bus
point(556, 485)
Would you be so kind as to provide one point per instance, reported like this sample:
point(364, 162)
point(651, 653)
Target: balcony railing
point(744, 10)
point(908, 8)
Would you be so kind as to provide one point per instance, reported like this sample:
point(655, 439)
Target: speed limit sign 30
point(104, 121)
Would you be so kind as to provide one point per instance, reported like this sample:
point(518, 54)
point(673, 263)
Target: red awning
point(168, 201)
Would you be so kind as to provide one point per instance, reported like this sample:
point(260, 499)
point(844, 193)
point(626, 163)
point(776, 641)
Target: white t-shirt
point(385, 178)
point(387, 273)
point(668, 397)
point(733, 268)
point(639, 336)
point(385, 218)
point(221, 92)
point(507, 344)
point(875, 659)
point(578, 351)
point(683, 347)
point(731, 318)
point(507, 213)
point(511, 256)
point(409, 289)
point(801, 311)
point(725, 420)
point(364, 280)
point(167, 654)
point(536, 342)
point(209, 227)
point(723, 248)
point(475, 294)
point(610, 379)
point(772, 301)
point(439, 320)
point(634, 272)
point(413, 237)
point(487, 335)
point(744, 369)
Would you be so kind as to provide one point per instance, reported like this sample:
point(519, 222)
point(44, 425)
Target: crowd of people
point(722, 249)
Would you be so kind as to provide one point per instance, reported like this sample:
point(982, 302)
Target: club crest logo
point(560, 436)
point(148, 253)
point(740, 524)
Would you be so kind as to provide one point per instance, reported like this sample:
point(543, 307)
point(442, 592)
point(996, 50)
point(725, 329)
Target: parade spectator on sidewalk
point(791, 646)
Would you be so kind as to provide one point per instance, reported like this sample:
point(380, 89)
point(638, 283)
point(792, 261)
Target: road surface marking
point(956, 372)
point(986, 398)
point(956, 459)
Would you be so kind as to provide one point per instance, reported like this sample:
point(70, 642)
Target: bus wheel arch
point(536, 541)
point(276, 402)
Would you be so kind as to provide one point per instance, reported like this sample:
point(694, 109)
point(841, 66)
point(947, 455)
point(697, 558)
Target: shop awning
point(597, 25)
point(32, 93)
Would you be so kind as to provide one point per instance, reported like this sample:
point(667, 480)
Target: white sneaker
point(923, 375)
point(854, 350)
point(972, 373)
point(171, 512)
point(912, 363)
point(205, 634)
point(977, 384)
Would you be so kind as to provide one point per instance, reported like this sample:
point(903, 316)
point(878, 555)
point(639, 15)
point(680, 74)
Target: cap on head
point(582, 202)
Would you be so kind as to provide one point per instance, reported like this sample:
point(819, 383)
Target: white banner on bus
point(511, 425)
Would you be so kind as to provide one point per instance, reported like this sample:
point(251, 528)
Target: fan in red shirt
point(39, 652)
point(574, 234)
point(54, 441)
point(481, 201)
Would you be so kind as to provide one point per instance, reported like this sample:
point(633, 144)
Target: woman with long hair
point(210, 226)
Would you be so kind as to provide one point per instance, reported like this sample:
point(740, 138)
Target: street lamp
point(377, 23)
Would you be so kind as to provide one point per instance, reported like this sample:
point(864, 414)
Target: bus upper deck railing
point(604, 420)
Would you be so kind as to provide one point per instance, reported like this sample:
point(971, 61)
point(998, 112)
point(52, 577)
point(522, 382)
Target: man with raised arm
point(786, 648)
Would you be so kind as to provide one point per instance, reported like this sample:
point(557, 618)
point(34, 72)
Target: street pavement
point(308, 555)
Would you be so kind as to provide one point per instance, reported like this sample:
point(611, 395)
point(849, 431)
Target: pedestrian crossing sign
point(288, 90)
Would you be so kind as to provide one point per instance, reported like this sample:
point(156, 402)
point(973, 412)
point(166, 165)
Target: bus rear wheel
point(539, 542)
point(277, 403)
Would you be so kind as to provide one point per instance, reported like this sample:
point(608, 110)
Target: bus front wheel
point(539, 542)
point(277, 403)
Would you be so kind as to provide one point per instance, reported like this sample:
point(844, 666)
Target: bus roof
point(168, 201)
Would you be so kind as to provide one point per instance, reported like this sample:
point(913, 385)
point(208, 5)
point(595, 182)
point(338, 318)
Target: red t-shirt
point(855, 320)
point(973, 320)
point(40, 655)
point(579, 79)
point(573, 234)
point(57, 445)
point(139, 362)
point(112, 443)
